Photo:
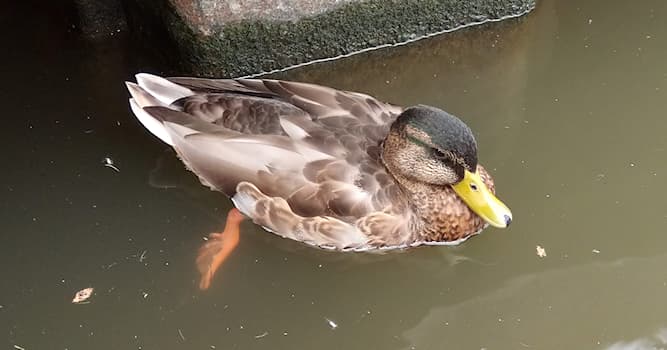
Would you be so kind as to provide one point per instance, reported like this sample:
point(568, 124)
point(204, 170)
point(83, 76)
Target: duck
point(334, 169)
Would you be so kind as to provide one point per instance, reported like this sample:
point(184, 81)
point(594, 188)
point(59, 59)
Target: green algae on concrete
point(247, 47)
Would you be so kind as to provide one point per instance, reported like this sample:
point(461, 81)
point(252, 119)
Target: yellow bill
point(479, 199)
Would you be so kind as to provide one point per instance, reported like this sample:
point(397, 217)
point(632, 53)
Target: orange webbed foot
point(217, 248)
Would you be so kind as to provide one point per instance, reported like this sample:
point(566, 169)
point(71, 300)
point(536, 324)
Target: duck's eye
point(439, 154)
point(473, 187)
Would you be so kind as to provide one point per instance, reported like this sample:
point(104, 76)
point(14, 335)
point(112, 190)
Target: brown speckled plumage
point(459, 222)
point(304, 161)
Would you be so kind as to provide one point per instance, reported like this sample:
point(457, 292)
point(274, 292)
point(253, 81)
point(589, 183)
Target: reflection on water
point(567, 105)
point(534, 307)
point(655, 342)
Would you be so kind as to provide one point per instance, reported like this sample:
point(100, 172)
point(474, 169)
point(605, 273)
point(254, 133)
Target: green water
point(568, 107)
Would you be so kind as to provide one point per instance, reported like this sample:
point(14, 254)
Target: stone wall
point(230, 38)
point(204, 15)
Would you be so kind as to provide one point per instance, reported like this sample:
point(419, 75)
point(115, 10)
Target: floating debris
point(82, 295)
point(180, 334)
point(259, 336)
point(108, 162)
point(331, 323)
point(142, 257)
point(541, 252)
point(596, 251)
point(110, 265)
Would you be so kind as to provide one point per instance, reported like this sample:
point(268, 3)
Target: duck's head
point(428, 145)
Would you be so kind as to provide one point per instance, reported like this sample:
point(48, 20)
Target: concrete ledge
point(228, 38)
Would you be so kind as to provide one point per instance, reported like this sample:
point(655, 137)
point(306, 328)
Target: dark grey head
point(439, 142)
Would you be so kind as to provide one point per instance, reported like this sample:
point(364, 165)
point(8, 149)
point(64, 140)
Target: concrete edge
point(253, 48)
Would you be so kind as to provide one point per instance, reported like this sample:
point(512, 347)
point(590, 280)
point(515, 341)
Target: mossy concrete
point(243, 46)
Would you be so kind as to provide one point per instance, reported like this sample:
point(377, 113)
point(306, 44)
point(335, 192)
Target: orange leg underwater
point(218, 247)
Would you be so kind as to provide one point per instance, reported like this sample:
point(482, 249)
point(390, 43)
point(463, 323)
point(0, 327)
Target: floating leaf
point(82, 295)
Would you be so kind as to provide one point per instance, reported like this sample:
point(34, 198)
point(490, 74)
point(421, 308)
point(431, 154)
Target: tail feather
point(155, 126)
point(142, 97)
point(162, 89)
point(150, 91)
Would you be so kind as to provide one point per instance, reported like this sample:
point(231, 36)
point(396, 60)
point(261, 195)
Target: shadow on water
point(549, 97)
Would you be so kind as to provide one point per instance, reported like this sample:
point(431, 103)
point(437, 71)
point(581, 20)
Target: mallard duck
point(334, 169)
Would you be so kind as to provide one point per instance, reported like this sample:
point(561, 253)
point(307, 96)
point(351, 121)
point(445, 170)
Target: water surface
point(568, 108)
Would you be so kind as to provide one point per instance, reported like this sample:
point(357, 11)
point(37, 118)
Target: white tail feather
point(161, 88)
point(152, 90)
point(153, 125)
point(141, 97)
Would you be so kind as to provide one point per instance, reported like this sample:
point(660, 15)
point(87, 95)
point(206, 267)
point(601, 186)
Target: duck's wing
point(297, 153)
point(315, 100)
